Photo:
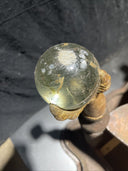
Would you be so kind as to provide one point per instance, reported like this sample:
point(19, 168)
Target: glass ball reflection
point(67, 75)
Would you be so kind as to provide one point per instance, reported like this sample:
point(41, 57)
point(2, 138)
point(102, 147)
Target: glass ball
point(67, 75)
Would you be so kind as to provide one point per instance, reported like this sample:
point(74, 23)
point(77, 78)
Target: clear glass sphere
point(67, 75)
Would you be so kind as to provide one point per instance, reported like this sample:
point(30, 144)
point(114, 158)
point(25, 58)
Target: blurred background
point(29, 27)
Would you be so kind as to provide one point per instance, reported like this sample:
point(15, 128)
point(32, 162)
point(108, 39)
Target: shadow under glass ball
point(67, 75)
